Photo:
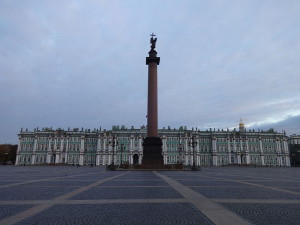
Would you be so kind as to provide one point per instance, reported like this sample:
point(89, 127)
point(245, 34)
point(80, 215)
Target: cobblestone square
point(215, 195)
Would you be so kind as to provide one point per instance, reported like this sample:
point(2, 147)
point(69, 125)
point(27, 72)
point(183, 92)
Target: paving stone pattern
point(33, 193)
point(274, 214)
point(69, 195)
point(129, 193)
point(8, 210)
point(125, 214)
point(243, 193)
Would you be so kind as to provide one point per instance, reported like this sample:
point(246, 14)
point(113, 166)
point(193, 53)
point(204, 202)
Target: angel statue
point(153, 41)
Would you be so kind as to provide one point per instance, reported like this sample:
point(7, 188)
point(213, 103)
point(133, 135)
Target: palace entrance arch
point(135, 159)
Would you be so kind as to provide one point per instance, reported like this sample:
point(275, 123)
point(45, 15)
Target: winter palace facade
point(122, 145)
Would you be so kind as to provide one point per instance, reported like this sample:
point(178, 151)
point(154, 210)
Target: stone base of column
point(152, 153)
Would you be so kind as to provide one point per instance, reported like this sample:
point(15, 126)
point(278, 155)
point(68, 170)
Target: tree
point(8, 154)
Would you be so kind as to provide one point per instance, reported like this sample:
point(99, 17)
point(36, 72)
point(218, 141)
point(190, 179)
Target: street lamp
point(193, 144)
point(113, 143)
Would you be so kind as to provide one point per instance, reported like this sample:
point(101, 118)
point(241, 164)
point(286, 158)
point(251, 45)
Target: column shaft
point(152, 100)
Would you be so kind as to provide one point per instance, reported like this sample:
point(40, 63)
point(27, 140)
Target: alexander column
point(152, 151)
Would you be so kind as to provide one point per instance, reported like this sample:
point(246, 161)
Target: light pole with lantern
point(113, 143)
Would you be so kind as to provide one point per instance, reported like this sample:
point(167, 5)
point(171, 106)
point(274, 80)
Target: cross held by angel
point(153, 41)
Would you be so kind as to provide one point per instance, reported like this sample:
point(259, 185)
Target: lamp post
point(113, 143)
point(193, 144)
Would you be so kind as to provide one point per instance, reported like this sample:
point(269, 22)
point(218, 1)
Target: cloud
point(83, 63)
point(290, 125)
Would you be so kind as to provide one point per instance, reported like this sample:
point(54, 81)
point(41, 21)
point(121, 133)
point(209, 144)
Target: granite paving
point(128, 193)
point(8, 210)
point(262, 214)
point(125, 214)
point(243, 192)
point(32, 193)
point(85, 195)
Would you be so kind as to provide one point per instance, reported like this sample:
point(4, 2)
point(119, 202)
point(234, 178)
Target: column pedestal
point(152, 153)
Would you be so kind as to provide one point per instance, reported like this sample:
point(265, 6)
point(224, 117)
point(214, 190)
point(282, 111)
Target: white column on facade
point(57, 157)
point(262, 156)
point(131, 143)
point(98, 150)
point(140, 158)
point(109, 141)
point(98, 143)
point(247, 151)
point(18, 151)
point(165, 149)
point(17, 159)
point(116, 150)
point(104, 144)
point(57, 151)
point(240, 151)
point(198, 152)
point(55, 148)
point(181, 146)
point(130, 157)
point(279, 160)
point(278, 152)
point(198, 145)
point(234, 144)
point(278, 149)
point(67, 150)
point(60, 150)
point(48, 159)
point(186, 144)
point(198, 162)
point(187, 150)
point(228, 150)
point(34, 150)
point(286, 152)
point(214, 151)
point(35, 143)
point(55, 143)
point(81, 153)
point(237, 151)
point(104, 149)
point(109, 159)
point(82, 141)
point(130, 160)
point(285, 145)
point(164, 141)
point(81, 157)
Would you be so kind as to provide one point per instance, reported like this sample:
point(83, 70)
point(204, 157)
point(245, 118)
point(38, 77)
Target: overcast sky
point(67, 63)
